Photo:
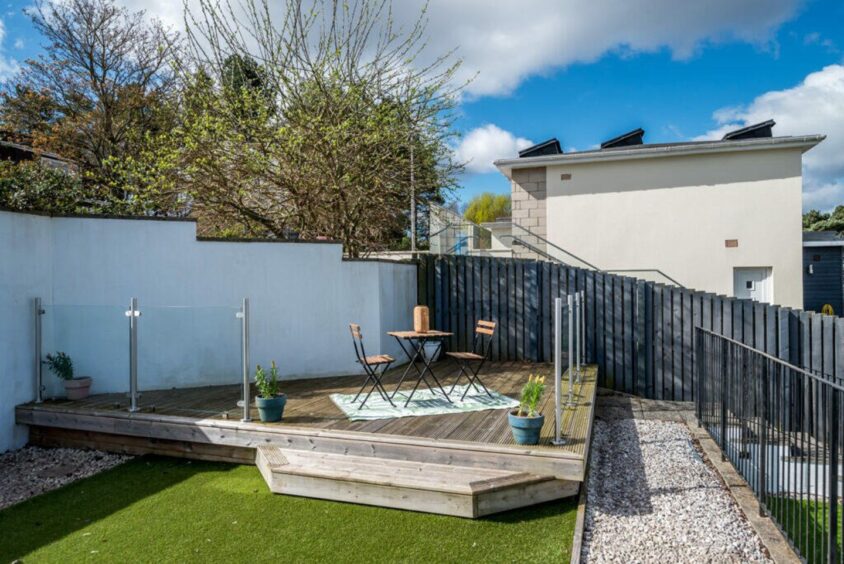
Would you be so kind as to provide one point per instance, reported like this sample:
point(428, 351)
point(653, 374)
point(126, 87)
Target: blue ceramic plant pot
point(271, 409)
point(525, 429)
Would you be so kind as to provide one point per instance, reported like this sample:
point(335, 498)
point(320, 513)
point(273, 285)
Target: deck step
point(461, 491)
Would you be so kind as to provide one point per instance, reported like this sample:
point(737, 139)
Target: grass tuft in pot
point(270, 401)
point(526, 422)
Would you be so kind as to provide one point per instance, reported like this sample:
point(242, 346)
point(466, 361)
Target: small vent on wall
point(731, 243)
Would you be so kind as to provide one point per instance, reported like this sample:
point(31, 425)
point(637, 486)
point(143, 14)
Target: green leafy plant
point(61, 365)
point(267, 385)
point(531, 394)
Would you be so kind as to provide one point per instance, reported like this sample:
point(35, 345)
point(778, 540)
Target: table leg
point(427, 368)
point(417, 353)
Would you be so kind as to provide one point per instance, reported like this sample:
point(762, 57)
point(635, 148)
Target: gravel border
point(33, 470)
point(653, 498)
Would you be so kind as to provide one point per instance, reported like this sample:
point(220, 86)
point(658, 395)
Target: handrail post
point(570, 315)
point(558, 371)
point(577, 306)
point(699, 374)
point(39, 367)
point(763, 438)
point(243, 314)
point(582, 337)
point(133, 314)
point(832, 539)
point(724, 363)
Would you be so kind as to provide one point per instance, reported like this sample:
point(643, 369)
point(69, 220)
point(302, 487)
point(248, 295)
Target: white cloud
point(504, 42)
point(8, 65)
point(18, 43)
point(816, 105)
point(483, 145)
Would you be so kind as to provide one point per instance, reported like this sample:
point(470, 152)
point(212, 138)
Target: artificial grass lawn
point(162, 510)
point(807, 524)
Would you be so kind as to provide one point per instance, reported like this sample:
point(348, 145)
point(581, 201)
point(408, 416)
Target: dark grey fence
point(780, 427)
point(640, 334)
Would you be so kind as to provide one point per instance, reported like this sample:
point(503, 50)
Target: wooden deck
point(205, 423)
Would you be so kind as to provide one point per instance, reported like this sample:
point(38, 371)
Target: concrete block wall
point(528, 195)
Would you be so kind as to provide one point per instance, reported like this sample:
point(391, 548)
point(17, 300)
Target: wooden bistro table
point(413, 345)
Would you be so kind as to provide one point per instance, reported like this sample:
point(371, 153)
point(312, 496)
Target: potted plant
point(270, 402)
point(526, 422)
point(62, 366)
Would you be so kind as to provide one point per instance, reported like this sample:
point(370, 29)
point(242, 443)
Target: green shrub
point(61, 365)
point(267, 385)
point(531, 394)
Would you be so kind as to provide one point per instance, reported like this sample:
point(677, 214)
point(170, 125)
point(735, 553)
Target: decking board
point(209, 414)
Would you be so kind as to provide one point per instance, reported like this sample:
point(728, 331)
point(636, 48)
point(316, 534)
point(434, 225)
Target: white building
point(722, 216)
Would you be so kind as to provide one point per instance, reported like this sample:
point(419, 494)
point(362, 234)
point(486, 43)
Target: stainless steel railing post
point(570, 303)
point(577, 306)
point(558, 371)
point(243, 314)
point(39, 367)
point(133, 314)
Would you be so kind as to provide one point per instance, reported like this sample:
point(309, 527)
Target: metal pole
point(39, 368)
point(582, 327)
point(570, 303)
point(833, 422)
point(763, 432)
point(133, 315)
point(412, 204)
point(577, 307)
point(558, 371)
point(244, 355)
point(724, 363)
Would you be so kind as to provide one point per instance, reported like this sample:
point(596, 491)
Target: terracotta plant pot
point(77, 388)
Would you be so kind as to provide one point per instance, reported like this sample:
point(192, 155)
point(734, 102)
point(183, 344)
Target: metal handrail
point(773, 359)
point(658, 271)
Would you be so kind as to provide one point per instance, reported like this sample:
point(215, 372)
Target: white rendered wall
point(302, 298)
point(675, 213)
point(25, 272)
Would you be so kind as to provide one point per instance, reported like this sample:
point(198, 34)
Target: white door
point(753, 283)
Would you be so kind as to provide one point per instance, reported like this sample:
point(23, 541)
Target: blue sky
point(585, 71)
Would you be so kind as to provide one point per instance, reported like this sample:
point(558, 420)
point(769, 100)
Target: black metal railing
point(780, 427)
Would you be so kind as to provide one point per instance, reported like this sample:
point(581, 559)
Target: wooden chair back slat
point(485, 327)
point(355, 328)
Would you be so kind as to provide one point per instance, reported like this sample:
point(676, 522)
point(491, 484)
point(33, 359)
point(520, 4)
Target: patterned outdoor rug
point(424, 402)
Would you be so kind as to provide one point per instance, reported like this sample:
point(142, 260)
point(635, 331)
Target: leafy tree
point(323, 136)
point(487, 207)
point(814, 220)
point(811, 217)
point(103, 85)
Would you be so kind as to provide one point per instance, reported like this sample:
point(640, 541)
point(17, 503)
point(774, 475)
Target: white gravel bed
point(652, 498)
point(33, 470)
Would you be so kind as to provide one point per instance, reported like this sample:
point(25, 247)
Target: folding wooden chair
point(371, 365)
point(481, 345)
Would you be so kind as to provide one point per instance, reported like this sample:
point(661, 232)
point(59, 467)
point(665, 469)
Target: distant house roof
point(822, 239)
point(17, 152)
point(650, 150)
